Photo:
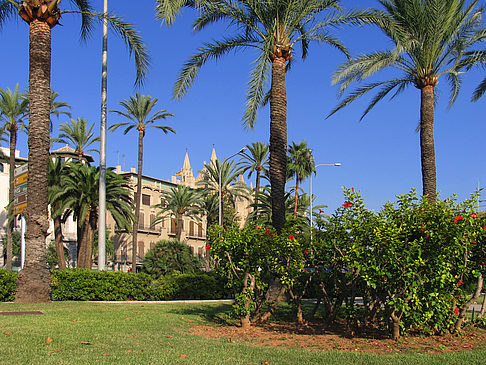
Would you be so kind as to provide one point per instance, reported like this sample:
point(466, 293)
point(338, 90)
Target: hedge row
point(84, 284)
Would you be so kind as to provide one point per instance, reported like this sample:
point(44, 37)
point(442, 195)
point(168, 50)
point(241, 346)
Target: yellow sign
point(20, 179)
point(20, 208)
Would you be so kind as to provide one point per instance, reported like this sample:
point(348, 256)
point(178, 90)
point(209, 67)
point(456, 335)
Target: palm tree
point(42, 16)
point(57, 107)
point(300, 165)
point(56, 170)
point(138, 110)
point(273, 28)
point(227, 174)
point(430, 38)
point(179, 201)
point(79, 196)
point(255, 160)
point(78, 135)
point(13, 111)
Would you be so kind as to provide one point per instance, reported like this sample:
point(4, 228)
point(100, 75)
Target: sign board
point(20, 188)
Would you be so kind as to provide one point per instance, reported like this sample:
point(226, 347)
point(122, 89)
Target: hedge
point(84, 284)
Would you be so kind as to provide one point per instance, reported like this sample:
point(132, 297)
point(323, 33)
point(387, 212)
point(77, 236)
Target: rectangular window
point(199, 229)
point(145, 199)
point(191, 229)
point(141, 220)
point(172, 225)
point(141, 249)
point(152, 218)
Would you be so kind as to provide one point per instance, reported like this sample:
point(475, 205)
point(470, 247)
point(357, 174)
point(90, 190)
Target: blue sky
point(380, 155)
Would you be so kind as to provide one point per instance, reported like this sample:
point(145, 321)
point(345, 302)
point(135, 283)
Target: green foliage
point(15, 244)
point(411, 259)
point(84, 284)
point(250, 254)
point(8, 285)
point(197, 285)
point(168, 257)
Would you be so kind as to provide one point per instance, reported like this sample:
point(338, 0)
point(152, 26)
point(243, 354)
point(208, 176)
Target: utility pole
point(102, 184)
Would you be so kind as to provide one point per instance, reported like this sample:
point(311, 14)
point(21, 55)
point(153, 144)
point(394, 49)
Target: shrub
point(8, 285)
point(168, 257)
point(198, 285)
point(84, 284)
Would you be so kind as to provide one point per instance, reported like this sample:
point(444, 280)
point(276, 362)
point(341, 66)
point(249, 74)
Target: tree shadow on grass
point(214, 313)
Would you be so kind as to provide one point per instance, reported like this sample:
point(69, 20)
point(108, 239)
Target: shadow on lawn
point(214, 313)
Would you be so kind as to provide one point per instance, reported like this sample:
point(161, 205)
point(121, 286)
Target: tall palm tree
point(79, 196)
point(77, 134)
point(179, 201)
point(429, 38)
point(300, 165)
point(138, 109)
point(56, 171)
point(255, 159)
point(228, 172)
point(42, 16)
point(273, 28)
point(13, 112)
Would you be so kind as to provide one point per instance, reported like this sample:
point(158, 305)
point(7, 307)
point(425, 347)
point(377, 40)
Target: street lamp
point(311, 196)
point(220, 193)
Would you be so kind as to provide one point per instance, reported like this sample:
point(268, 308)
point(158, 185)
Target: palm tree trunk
point(257, 189)
point(83, 243)
point(138, 197)
point(10, 224)
point(61, 261)
point(278, 142)
point(296, 194)
point(179, 227)
point(427, 142)
point(33, 284)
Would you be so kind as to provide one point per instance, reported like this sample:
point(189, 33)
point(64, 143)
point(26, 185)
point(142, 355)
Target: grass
point(144, 333)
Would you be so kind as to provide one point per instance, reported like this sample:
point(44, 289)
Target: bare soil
point(315, 336)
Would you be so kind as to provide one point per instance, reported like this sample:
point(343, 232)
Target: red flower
point(320, 210)
point(305, 251)
point(208, 247)
point(456, 311)
point(474, 215)
point(257, 227)
point(484, 228)
point(291, 237)
point(266, 231)
point(347, 204)
point(460, 283)
point(458, 218)
point(422, 229)
point(453, 300)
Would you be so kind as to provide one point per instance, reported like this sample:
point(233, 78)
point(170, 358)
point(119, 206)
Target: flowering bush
point(408, 261)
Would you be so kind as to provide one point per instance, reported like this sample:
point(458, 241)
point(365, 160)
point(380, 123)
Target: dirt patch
point(317, 337)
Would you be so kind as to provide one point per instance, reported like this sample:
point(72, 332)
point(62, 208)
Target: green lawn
point(143, 333)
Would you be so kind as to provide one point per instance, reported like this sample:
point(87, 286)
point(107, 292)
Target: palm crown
point(78, 135)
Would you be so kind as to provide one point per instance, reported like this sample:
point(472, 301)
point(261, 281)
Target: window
point(191, 229)
point(141, 249)
point(152, 218)
point(141, 219)
point(199, 229)
point(1, 167)
point(172, 225)
point(145, 199)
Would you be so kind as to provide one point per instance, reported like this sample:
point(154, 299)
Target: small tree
point(168, 257)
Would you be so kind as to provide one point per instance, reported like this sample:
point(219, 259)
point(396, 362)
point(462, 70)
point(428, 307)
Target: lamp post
point(220, 193)
point(311, 196)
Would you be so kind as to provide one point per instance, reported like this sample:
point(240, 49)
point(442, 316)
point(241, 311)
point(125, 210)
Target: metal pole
point(102, 185)
point(321, 164)
point(311, 208)
point(22, 241)
point(220, 220)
